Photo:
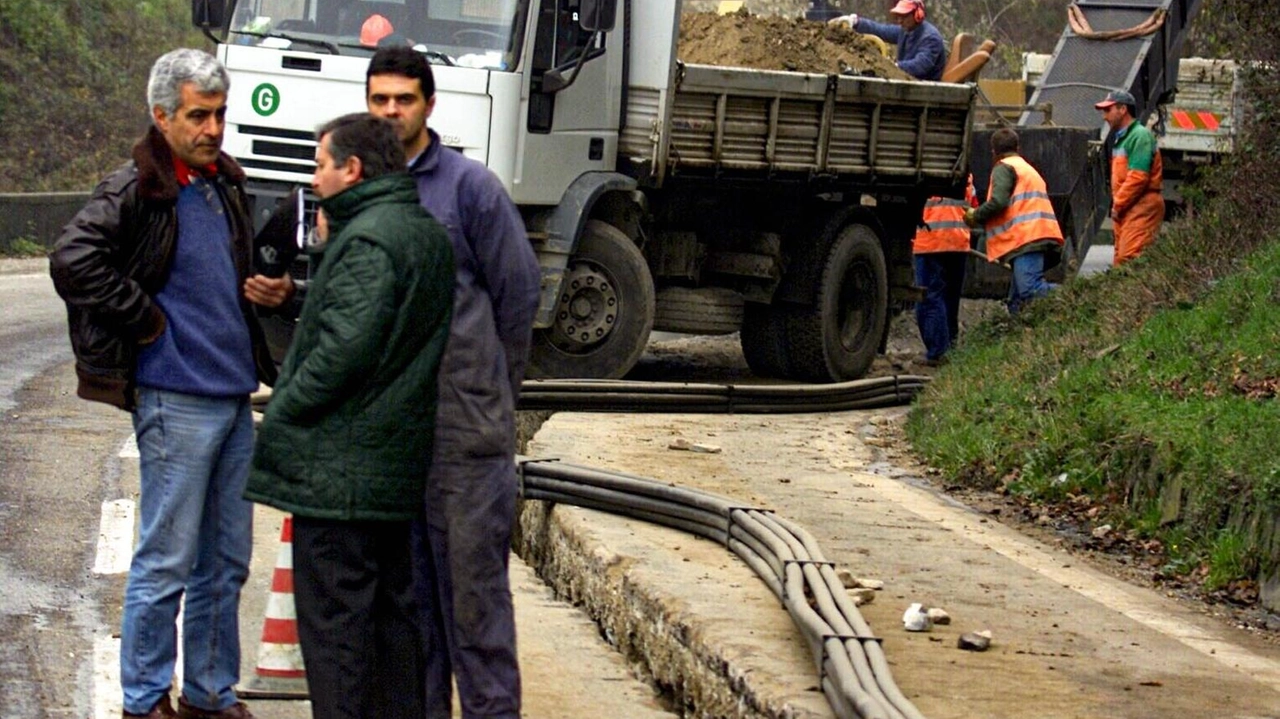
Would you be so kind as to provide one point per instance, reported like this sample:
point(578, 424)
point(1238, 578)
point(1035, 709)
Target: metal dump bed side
point(852, 131)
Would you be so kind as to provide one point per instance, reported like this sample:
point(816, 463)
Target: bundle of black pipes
point(854, 673)
point(624, 396)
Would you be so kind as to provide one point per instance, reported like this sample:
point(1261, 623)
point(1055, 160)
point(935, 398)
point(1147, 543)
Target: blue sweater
point(205, 349)
point(921, 53)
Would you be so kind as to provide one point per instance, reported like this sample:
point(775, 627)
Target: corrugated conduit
point(854, 672)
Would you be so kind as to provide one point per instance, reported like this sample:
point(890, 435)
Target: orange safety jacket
point(1029, 216)
point(943, 228)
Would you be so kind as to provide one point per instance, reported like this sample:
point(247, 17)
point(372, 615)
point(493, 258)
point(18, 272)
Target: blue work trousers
point(941, 274)
point(195, 537)
point(1028, 280)
point(461, 558)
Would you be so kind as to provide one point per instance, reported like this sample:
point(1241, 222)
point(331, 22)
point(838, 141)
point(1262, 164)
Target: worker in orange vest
point(941, 249)
point(1022, 229)
point(1137, 176)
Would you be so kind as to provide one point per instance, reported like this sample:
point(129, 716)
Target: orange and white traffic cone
point(279, 673)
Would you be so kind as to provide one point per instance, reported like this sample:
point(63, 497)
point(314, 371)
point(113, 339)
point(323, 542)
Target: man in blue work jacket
point(463, 544)
point(921, 52)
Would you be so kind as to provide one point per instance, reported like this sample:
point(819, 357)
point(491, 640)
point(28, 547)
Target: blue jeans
point(195, 536)
point(1028, 280)
point(941, 274)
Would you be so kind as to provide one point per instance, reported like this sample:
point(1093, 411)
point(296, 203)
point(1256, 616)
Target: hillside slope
point(1150, 390)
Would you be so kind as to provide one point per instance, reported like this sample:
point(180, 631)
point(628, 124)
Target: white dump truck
point(658, 195)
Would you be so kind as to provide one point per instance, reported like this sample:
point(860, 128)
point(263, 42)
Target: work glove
point(970, 217)
point(851, 20)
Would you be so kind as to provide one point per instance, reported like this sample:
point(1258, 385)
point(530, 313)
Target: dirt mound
point(775, 43)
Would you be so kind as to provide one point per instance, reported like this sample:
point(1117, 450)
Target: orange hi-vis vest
point(943, 227)
point(1029, 216)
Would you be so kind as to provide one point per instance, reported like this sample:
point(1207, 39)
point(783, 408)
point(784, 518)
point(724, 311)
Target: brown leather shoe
point(187, 710)
point(162, 710)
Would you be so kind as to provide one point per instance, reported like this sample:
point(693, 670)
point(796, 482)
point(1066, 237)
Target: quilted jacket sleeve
point(354, 319)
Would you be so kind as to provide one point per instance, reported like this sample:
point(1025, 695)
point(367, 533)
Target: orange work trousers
point(1138, 227)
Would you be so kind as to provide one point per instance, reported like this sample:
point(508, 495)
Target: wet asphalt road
point(50, 607)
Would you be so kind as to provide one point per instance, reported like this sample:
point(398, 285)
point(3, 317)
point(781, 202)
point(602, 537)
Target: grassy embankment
point(1152, 389)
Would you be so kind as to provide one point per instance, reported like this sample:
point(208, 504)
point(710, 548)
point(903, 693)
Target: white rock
point(875, 584)
point(847, 579)
point(916, 619)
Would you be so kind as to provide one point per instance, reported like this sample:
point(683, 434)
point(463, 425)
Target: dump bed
point(845, 131)
point(1203, 114)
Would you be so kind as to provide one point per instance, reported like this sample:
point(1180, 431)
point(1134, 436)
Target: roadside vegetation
point(73, 77)
point(22, 247)
point(1149, 391)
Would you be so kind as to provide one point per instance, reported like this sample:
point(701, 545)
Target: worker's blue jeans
point(941, 274)
point(195, 537)
point(1028, 280)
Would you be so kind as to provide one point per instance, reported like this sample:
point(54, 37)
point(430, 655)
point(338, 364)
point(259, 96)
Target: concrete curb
point(661, 636)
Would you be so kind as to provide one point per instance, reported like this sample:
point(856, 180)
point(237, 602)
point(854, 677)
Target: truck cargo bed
point(843, 130)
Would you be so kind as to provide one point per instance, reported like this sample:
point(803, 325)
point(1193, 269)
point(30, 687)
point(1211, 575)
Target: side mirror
point(598, 15)
point(209, 15)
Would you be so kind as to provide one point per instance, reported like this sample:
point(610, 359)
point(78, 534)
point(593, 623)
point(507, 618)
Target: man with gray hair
point(155, 272)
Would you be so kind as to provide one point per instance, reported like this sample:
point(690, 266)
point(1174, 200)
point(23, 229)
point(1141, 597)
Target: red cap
point(374, 29)
point(907, 7)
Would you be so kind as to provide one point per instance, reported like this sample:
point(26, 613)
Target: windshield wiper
point(437, 55)
point(431, 54)
point(333, 49)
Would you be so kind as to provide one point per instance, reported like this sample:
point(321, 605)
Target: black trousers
point(357, 619)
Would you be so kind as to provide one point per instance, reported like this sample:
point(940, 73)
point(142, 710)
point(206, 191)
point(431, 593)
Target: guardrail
point(36, 216)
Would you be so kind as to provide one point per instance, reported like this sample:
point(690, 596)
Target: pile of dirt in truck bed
point(776, 43)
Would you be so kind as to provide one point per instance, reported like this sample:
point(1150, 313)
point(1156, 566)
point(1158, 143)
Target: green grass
point(1161, 376)
point(23, 247)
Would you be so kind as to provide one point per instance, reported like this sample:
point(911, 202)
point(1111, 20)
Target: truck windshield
point(471, 33)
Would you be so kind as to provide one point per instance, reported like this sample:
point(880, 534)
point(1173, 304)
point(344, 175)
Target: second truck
point(658, 195)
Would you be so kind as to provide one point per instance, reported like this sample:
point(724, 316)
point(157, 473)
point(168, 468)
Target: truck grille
point(271, 154)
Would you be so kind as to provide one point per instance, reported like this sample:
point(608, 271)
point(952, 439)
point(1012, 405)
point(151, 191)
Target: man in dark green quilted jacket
point(345, 443)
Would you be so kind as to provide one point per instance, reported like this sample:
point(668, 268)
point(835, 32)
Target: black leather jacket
point(115, 255)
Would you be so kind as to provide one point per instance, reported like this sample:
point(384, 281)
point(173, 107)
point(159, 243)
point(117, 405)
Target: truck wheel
point(764, 340)
point(837, 338)
point(605, 310)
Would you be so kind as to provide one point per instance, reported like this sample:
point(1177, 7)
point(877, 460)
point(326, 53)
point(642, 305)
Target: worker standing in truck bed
point(921, 52)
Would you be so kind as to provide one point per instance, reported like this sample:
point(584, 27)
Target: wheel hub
point(587, 310)
point(855, 314)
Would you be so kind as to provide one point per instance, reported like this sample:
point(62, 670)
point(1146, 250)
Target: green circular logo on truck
point(266, 99)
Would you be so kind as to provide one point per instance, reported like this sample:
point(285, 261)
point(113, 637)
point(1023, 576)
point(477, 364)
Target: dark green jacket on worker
point(347, 433)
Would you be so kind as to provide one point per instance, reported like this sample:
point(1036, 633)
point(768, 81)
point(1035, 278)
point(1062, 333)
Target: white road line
point(129, 450)
point(177, 662)
point(115, 537)
point(106, 678)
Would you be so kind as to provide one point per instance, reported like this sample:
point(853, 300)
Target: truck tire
point(605, 312)
point(764, 340)
point(704, 310)
point(837, 338)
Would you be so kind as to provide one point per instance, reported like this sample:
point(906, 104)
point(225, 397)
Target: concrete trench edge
point(653, 630)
